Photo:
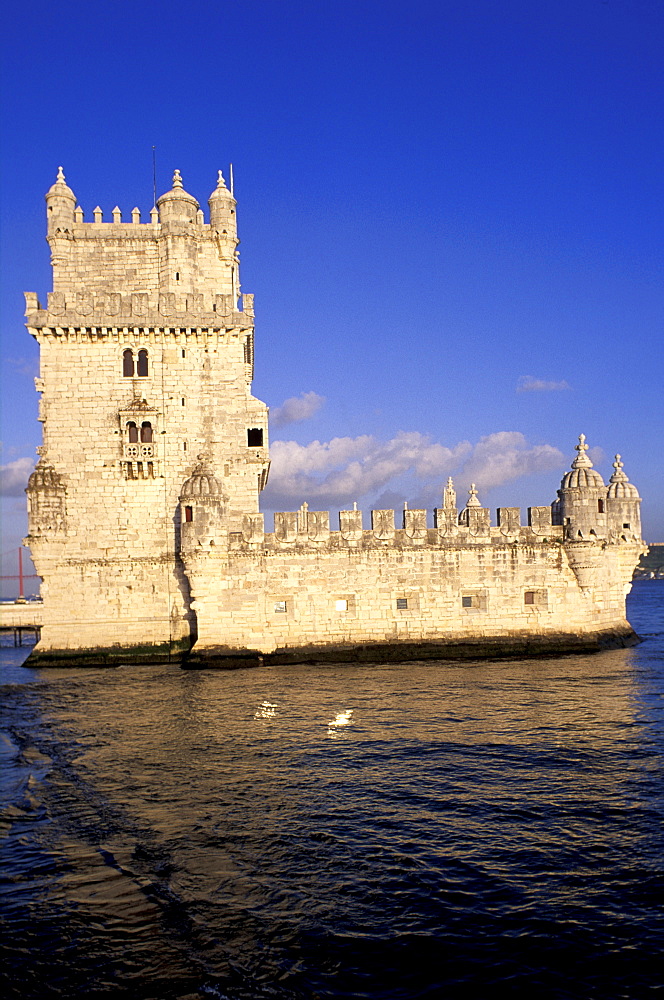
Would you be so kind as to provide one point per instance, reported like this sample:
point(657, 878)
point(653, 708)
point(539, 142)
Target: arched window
point(133, 432)
point(142, 366)
point(255, 437)
point(146, 432)
point(128, 363)
point(600, 506)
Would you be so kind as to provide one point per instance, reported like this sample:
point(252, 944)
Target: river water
point(431, 829)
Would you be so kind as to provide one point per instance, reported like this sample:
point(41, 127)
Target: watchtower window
point(402, 603)
point(255, 437)
point(146, 432)
point(189, 513)
point(128, 363)
point(132, 431)
point(600, 506)
point(142, 366)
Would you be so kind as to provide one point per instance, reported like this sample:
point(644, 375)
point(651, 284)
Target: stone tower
point(146, 366)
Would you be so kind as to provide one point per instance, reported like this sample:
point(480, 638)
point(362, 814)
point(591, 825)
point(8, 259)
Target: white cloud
point(14, 476)
point(506, 455)
point(528, 383)
point(346, 469)
point(296, 408)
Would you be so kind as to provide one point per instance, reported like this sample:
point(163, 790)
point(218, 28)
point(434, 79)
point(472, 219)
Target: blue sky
point(451, 216)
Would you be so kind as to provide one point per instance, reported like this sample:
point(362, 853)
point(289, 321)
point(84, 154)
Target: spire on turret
point(449, 495)
point(177, 179)
point(582, 460)
point(473, 499)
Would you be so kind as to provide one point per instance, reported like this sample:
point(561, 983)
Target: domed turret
point(202, 509)
point(202, 483)
point(44, 478)
point(582, 493)
point(222, 208)
point(623, 505)
point(46, 501)
point(60, 205)
point(177, 205)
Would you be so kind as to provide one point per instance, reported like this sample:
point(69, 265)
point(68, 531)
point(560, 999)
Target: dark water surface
point(413, 830)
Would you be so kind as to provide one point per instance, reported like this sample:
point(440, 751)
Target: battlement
point(116, 309)
point(305, 528)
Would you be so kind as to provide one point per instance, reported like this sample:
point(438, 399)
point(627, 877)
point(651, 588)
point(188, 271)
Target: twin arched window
point(131, 368)
point(145, 432)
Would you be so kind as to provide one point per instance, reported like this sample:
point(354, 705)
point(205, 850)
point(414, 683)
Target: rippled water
point(413, 830)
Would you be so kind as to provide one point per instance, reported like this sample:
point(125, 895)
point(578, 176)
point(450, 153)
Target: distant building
point(143, 509)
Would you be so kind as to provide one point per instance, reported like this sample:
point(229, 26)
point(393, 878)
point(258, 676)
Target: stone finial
point(78, 214)
point(136, 215)
point(177, 179)
point(117, 214)
point(221, 183)
point(582, 461)
point(154, 215)
point(200, 218)
point(405, 505)
point(97, 213)
point(449, 495)
point(473, 499)
point(618, 476)
point(60, 178)
point(354, 504)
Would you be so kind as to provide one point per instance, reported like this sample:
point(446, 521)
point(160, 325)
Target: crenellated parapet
point(77, 309)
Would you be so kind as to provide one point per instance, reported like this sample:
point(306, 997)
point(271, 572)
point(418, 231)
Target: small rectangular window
point(280, 607)
point(402, 603)
point(626, 525)
point(529, 597)
point(189, 514)
point(341, 605)
point(184, 353)
point(466, 602)
point(183, 401)
point(255, 437)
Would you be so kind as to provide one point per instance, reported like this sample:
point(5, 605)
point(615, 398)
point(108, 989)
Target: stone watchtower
point(146, 365)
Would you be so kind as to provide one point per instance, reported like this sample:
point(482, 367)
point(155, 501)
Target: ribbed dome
point(619, 485)
point(44, 478)
point(582, 475)
point(202, 483)
point(581, 478)
point(60, 188)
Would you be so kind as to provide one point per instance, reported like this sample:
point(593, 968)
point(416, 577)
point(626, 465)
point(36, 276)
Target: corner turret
point(203, 505)
point(582, 498)
point(60, 205)
point(623, 505)
point(222, 209)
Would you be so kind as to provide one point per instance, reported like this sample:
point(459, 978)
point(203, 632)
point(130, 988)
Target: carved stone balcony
point(140, 452)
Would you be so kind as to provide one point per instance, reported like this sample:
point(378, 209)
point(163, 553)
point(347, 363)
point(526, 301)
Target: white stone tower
point(146, 366)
